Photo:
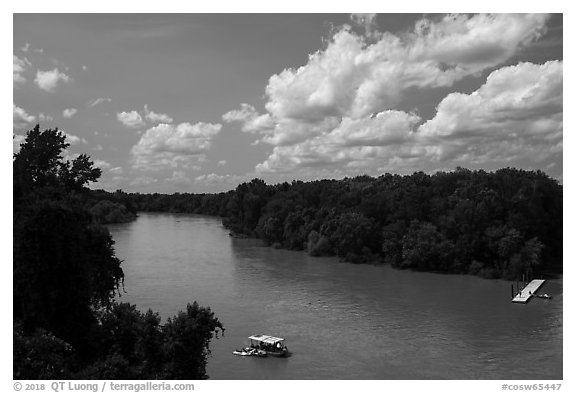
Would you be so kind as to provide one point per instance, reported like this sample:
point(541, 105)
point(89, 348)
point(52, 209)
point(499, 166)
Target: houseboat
point(273, 346)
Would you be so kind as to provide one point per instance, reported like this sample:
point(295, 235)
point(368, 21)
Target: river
point(340, 320)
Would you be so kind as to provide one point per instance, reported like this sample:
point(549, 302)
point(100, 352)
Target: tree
point(423, 247)
point(39, 159)
point(39, 164)
point(76, 174)
point(41, 355)
point(64, 267)
point(132, 344)
point(187, 339)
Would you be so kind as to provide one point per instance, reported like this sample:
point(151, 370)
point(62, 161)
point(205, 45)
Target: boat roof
point(266, 339)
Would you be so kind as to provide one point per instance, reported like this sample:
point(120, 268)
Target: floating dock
point(528, 291)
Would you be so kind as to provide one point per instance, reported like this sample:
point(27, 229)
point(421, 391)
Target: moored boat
point(272, 346)
point(544, 296)
point(250, 352)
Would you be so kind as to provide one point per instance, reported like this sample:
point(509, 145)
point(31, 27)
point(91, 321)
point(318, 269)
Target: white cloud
point(143, 181)
point(45, 117)
point(104, 165)
point(73, 139)
point(179, 177)
point(69, 112)
point(68, 156)
point(98, 101)
point(353, 78)
point(19, 68)
point(516, 114)
point(131, 119)
point(176, 146)
point(515, 118)
point(183, 138)
point(27, 48)
point(338, 114)
point(156, 117)
point(49, 80)
point(21, 118)
point(117, 170)
point(17, 140)
point(212, 182)
point(353, 143)
point(384, 129)
point(250, 119)
point(222, 163)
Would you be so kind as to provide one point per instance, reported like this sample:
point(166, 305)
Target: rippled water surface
point(341, 321)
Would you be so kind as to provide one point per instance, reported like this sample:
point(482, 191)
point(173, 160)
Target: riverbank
point(399, 324)
point(500, 224)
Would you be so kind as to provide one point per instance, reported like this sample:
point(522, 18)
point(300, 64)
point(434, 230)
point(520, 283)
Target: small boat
point(270, 345)
point(250, 352)
point(544, 296)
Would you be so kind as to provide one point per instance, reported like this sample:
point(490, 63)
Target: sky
point(202, 102)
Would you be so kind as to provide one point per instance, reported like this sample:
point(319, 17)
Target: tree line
point(67, 321)
point(501, 224)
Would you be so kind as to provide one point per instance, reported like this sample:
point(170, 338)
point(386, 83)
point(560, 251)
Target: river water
point(340, 321)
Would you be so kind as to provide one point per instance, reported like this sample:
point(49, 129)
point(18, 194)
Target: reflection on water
point(341, 321)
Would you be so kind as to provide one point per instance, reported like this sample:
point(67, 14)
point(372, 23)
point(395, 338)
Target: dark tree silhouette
point(66, 276)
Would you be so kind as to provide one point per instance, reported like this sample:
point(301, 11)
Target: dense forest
point(502, 224)
point(67, 322)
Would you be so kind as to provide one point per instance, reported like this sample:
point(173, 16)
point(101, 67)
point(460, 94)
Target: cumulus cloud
point(69, 112)
point(339, 112)
point(516, 114)
point(352, 143)
point(131, 119)
point(44, 117)
point(179, 177)
point(213, 182)
point(134, 119)
point(19, 68)
point(515, 117)
point(73, 139)
point(21, 118)
point(176, 146)
point(156, 117)
point(251, 120)
point(49, 80)
point(98, 101)
point(353, 78)
point(104, 165)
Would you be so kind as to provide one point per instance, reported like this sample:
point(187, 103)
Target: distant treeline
point(506, 223)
